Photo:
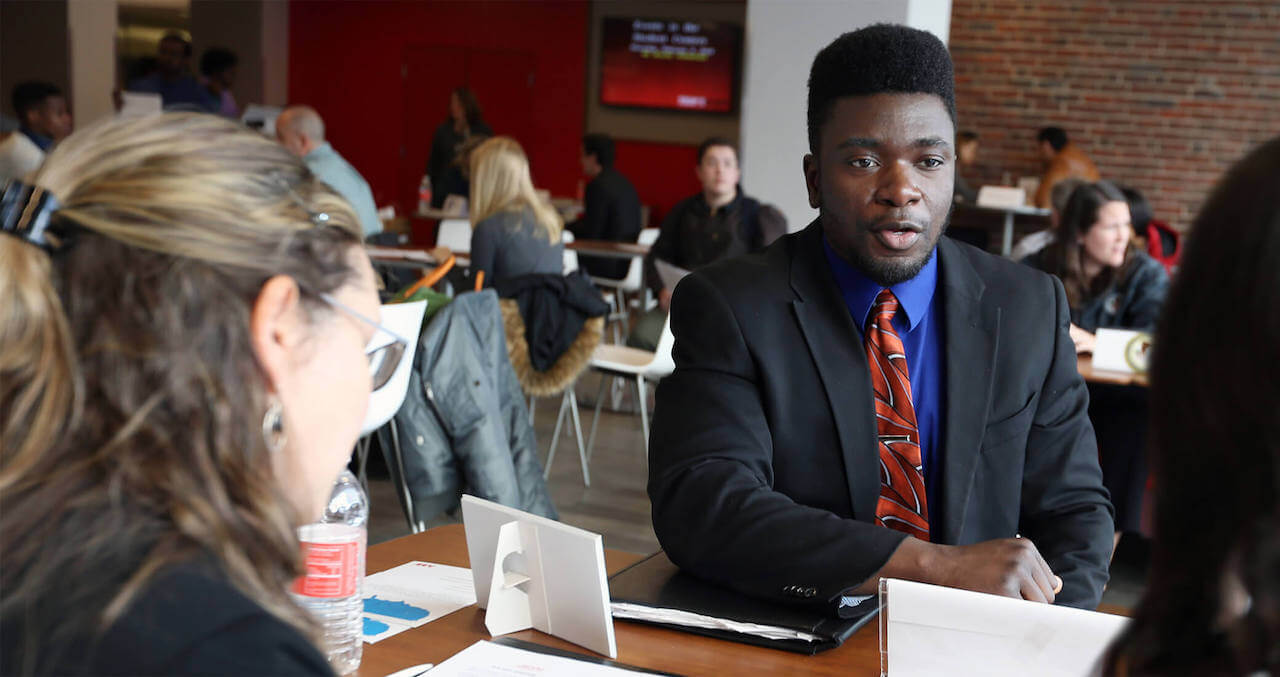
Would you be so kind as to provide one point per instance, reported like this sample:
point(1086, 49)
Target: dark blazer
point(764, 471)
point(611, 211)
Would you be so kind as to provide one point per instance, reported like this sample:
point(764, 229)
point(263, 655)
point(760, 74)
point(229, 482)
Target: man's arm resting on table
point(1011, 567)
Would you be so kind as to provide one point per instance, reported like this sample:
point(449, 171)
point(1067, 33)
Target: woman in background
point(182, 377)
point(1212, 604)
point(465, 121)
point(1109, 283)
point(514, 232)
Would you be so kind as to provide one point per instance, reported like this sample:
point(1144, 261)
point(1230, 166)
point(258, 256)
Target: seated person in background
point(173, 81)
point(798, 457)
point(1109, 282)
point(715, 224)
point(155, 468)
point(966, 160)
point(1040, 239)
point(218, 74)
point(301, 130)
point(1062, 160)
point(1212, 602)
point(465, 122)
point(513, 232)
point(1161, 241)
point(718, 223)
point(611, 207)
point(43, 121)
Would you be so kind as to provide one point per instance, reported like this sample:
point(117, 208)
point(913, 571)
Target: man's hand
point(1084, 340)
point(1011, 567)
point(664, 299)
point(441, 253)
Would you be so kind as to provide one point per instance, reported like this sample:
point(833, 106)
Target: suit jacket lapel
point(970, 339)
point(836, 347)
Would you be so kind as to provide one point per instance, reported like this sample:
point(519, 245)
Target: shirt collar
point(41, 141)
point(731, 205)
point(859, 291)
point(323, 149)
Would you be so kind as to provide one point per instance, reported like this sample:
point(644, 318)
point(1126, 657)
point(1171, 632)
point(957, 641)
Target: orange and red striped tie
point(903, 504)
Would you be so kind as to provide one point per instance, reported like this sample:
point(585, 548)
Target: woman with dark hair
point(465, 121)
point(183, 374)
point(1109, 283)
point(1212, 604)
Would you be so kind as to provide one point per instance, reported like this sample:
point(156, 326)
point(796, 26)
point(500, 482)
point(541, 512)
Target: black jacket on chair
point(764, 467)
point(554, 308)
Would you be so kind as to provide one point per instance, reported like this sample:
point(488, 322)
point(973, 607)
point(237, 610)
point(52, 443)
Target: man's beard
point(888, 272)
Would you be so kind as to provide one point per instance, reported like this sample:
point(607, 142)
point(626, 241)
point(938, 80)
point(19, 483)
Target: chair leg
point(644, 413)
point(577, 429)
point(555, 437)
point(362, 461)
point(406, 497)
point(591, 439)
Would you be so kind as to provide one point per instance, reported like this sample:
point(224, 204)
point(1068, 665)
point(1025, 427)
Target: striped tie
point(903, 504)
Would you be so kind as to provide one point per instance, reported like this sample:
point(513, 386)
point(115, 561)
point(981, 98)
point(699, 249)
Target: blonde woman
point(182, 376)
point(513, 232)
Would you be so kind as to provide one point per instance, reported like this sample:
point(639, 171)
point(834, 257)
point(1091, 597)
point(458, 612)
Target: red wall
point(345, 59)
point(662, 173)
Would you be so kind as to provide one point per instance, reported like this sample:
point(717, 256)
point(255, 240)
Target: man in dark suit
point(867, 399)
point(611, 207)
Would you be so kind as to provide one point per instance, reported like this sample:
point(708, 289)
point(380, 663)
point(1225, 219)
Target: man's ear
point(812, 180)
point(276, 327)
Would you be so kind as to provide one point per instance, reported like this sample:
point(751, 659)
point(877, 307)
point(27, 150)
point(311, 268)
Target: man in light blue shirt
point(301, 130)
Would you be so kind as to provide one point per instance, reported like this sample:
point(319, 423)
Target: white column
point(91, 29)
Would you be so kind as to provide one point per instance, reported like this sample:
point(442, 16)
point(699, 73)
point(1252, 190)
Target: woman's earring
point(273, 426)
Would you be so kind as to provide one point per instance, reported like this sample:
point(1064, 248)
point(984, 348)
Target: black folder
point(656, 582)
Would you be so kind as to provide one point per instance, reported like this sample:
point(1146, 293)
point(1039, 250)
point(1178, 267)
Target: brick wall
point(1163, 94)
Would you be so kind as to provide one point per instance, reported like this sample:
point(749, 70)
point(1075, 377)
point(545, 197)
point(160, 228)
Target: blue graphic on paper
point(372, 627)
point(400, 610)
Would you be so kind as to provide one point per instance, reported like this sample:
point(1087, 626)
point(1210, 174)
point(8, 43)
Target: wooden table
point(638, 645)
point(609, 249)
point(1084, 363)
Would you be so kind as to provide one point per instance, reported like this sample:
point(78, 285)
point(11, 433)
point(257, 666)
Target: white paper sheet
point(932, 630)
point(640, 612)
point(411, 595)
point(484, 659)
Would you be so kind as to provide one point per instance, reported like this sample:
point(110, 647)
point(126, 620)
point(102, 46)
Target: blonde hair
point(131, 400)
point(500, 182)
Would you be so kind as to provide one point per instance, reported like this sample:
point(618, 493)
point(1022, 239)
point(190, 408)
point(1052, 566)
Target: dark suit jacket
point(764, 470)
point(611, 211)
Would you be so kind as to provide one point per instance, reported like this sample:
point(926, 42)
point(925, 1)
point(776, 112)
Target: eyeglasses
point(384, 358)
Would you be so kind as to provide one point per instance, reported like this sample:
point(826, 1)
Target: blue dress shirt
point(41, 141)
point(920, 329)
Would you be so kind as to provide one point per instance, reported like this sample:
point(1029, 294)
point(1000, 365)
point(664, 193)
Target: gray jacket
point(464, 426)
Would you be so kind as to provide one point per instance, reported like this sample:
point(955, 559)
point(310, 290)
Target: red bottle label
point(332, 569)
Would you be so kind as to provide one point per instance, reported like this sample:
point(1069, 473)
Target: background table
point(639, 645)
point(1084, 363)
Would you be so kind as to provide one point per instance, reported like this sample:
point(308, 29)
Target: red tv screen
point(676, 65)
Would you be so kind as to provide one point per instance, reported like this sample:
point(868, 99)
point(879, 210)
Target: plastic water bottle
point(334, 551)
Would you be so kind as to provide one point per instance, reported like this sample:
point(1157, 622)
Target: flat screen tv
point(669, 64)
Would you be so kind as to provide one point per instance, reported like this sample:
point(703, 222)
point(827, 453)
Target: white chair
point(633, 363)
point(405, 319)
point(570, 256)
point(633, 282)
point(454, 234)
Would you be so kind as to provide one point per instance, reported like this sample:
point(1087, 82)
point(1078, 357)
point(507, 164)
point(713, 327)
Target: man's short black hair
point(217, 60)
point(599, 145)
point(1056, 136)
point(876, 59)
point(713, 142)
point(174, 36)
point(28, 96)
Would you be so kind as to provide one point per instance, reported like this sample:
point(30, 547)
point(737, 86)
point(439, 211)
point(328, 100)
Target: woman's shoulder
point(191, 620)
point(1144, 270)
